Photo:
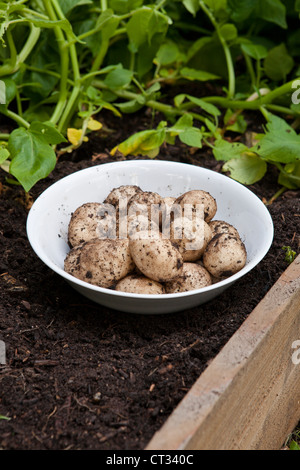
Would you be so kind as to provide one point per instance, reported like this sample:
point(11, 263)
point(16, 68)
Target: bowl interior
point(49, 216)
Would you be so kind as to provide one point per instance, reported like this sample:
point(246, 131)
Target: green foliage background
point(64, 61)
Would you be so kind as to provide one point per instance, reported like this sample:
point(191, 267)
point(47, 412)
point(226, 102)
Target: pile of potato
point(139, 242)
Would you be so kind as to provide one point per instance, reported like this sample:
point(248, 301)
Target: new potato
point(220, 226)
point(225, 255)
point(139, 284)
point(191, 236)
point(100, 262)
point(156, 257)
point(139, 242)
point(193, 276)
point(198, 200)
point(89, 221)
point(122, 194)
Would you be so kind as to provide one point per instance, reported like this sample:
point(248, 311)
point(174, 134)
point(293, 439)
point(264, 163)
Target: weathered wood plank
point(249, 396)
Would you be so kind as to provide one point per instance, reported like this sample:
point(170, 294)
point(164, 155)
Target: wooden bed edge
point(249, 395)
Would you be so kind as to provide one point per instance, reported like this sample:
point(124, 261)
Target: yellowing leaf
point(142, 143)
point(75, 136)
point(94, 125)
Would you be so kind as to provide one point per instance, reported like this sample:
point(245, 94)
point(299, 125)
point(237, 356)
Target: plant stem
point(64, 65)
point(32, 39)
point(158, 106)
point(250, 68)
point(265, 113)
point(29, 45)
point(12, 48)
point(229, 61)
point(281, 109)
point(290, 176)
point(4, 136)
point(252, 105)
point(103, 5)
point(100, 56)
point(277, 195)
point(18, 119)
point(69, 109)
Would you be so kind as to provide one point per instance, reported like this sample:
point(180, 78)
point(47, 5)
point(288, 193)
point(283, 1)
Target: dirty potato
point(139, 284)
point(139, 223)
point(220, 226)
point(191, 236)
point(198, 201)
point(122, 193)
point(100, 262)
point(91, 220)
point(225, 255)
point(148, 204)
point(193, 276)
point(156, 257)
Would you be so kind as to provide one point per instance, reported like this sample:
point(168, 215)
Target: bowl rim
point(101, 290)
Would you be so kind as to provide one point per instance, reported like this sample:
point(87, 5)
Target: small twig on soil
point(111, 434)
point(48, 417)
point(45, 362)
point(190, 346)
point(83, 404)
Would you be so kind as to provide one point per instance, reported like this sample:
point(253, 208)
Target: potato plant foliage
point(63, 61)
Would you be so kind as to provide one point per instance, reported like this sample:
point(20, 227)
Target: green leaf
point(187, 134)
point(142, 143)
point(280, 143)
point(128, 107)
point(255, 51)
point(278, 63)
point(68, 5)
point(125, 6)
point(216, 5)
point(182, 123)
point(200, 75)
point(192, 137)
point(294, 445)
point(227, 151)
point(273, 11)
point(229, 32)
point(241, 9)
point(248, 169)
point(197, 46)
point(234, 122)
point(167, 53)
point(32, 158)
point(137, 27)
point(8, 92)
point(48, 131)
point(107, 23)
point(64, 24)
point(118, 78)
point(207, 107)
point(289, 177)
point(4, 154)
point(192, 6)
point(143, 25)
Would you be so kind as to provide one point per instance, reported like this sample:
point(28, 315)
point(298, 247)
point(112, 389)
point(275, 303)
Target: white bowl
point(49, 217)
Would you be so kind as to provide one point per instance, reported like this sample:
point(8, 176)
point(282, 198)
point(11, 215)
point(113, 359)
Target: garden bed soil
point(82, 376)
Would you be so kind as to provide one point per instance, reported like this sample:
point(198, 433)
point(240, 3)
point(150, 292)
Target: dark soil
point(81, 376)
